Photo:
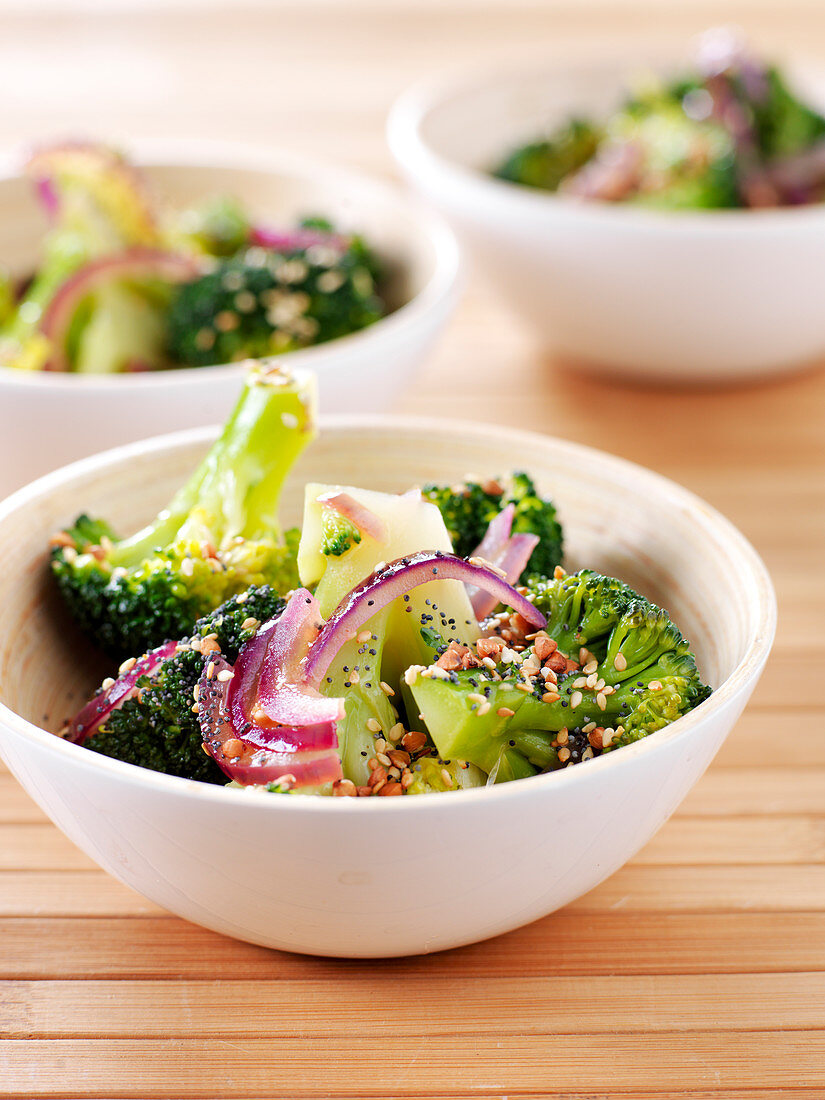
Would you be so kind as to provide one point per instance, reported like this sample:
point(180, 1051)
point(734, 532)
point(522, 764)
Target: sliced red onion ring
point(394, 580)
point(496, 536)
point(134, 263)
point(279, 240)
point(91, 717)
point(512, 559)
point(286, 696)
point(367, 522)
point(308, 755)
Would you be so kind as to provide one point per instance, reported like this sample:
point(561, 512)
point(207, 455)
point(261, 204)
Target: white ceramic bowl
point(384, 877)
point(674, 297)
point(47, 420)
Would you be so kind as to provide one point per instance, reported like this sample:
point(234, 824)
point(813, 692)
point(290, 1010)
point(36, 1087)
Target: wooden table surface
point(696, 971)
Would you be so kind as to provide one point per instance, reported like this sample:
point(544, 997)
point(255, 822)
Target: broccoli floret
point(262, 302)
point(219, 535)
point(217, 227)
point(468, 508)
point(544, 164)
point(620, 670)
point(339, 534)
point(156, 728)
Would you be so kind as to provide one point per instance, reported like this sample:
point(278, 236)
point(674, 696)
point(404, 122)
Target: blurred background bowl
point(393, 876)
point(684, 297)
point(48, 419)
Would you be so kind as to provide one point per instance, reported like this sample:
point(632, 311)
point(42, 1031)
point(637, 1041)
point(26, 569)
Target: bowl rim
point(441, 285)
point(743, 676)
point(410, 112)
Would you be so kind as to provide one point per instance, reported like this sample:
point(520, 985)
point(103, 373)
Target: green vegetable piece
point(219, 535)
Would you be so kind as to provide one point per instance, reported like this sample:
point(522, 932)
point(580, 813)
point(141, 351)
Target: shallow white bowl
point(381, 877)
point(674, 297)
point(47, 420)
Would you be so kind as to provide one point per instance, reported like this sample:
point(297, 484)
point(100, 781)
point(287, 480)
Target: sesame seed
point(550, 697)
point(355, 677)
point(210, 670)
point(127, 666)
point(483, 709)
point(474, 697)
point(365, 636)
point(225, 675)
point(505, 712)
point(385, 687)
point(107, 683)
point(384, 759)
point(580, 682)
point(575, 699)
point(591, 666)
point(521, 686)
point(447, 779)
point(655, 685)
point(373, 725)
point(601, 701)
point(620, 662)
point(564, 754)
point(250, 624)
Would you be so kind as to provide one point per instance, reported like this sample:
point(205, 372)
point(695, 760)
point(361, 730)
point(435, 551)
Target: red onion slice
point(91, 717)
point(279, 240)
point(134, 263)
point(512, 559)
point(394, 580)
point(308, 756)
point(285, 695)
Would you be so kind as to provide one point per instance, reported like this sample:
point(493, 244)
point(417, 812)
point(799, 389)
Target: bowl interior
point(618, 519)
point(276, 197)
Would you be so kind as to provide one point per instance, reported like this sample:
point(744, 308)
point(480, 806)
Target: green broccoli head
point(338, 534)
point(156, 726)
point(544, 164)
point(219, 535)
point(263, 302)
point(609, 669)
point(467, 509)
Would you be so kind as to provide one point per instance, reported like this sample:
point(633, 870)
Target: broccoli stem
point(235, 491)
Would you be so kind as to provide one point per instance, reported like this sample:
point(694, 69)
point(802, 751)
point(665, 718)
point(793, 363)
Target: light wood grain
point(698, 971)
point(726, 1062)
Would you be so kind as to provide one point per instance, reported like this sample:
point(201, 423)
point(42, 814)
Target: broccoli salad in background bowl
point(674, 237)
point(120, 273)
point(126, 284)
point(726, 132)
point(351, 701)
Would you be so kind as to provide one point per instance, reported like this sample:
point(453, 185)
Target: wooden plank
point(783, 888)
point(565, 943)
point(205, 1068)
point(39, 848)
point(15, 804)
point(763, 737)
point(358, 1005)
point(726, 791)
point(702, 889)
point(69, 893)
point(737, 840)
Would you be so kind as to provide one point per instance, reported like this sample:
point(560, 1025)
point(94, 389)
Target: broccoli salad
point(125, 285)
point(428, 640)
point(728, 133)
